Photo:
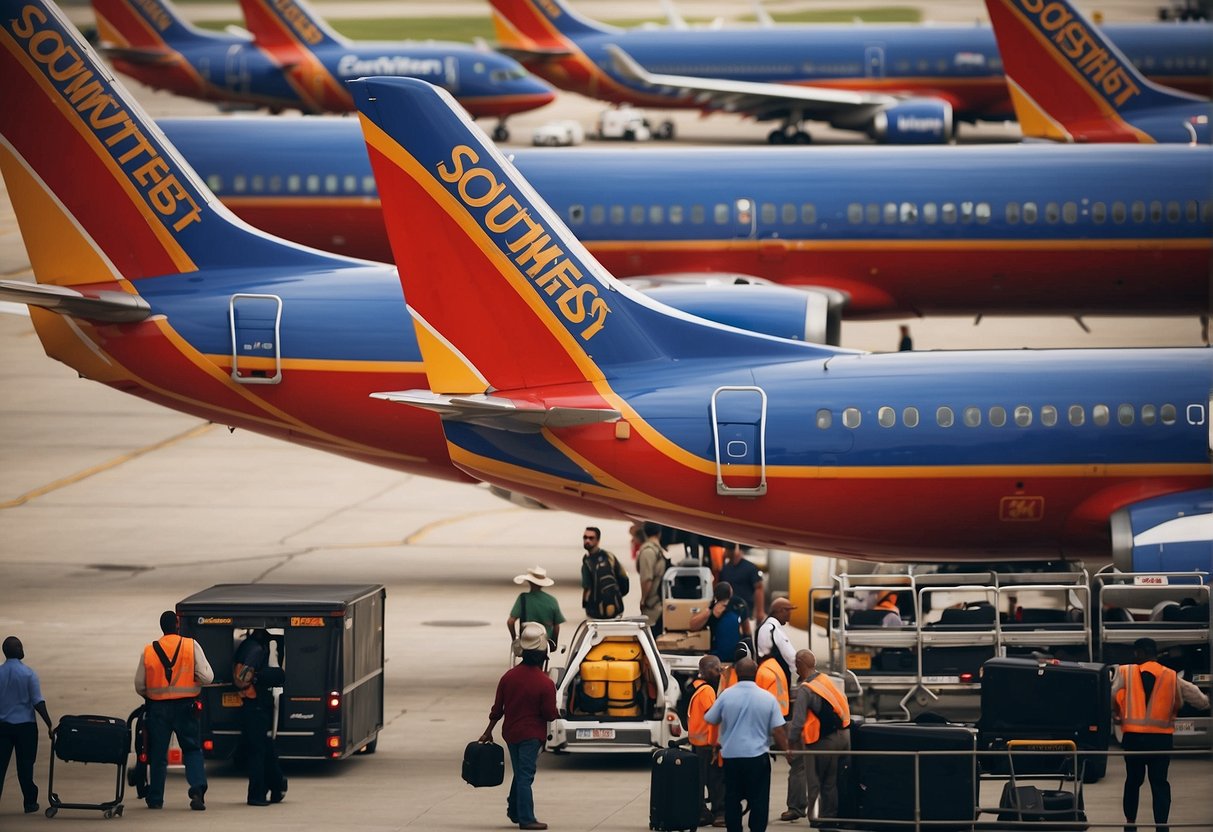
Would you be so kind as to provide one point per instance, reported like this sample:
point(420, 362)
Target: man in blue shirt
point(20, 697)
point(748, 717)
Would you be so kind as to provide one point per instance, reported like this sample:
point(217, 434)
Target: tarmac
point(113, 509)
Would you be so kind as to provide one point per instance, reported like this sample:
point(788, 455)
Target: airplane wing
point(107, 307)
point(500, 412)
point(753, 98)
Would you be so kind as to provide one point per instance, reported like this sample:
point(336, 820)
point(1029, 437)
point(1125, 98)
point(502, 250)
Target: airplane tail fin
point(1067, 80)
point(144, 25)
point(100, 195)
point(503, 295)
point(288, 23)
point(536, 25)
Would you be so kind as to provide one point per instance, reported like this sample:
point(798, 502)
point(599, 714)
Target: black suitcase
point(90, 739)
point(675, 790)
point(882, 788)
point(1029, 699)
point(484, 764)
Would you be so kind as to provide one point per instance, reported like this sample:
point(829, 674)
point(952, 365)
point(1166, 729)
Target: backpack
point(606, 591)
point(250, 657)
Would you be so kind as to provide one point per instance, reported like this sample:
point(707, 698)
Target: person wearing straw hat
point(535, 605)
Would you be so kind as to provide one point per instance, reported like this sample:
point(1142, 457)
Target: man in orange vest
point(1145, 699)
point(774, 681)
point(821, 720)
point(170, 676)
point(705, 740)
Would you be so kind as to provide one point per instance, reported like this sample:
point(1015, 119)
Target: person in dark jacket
point(20, 699)
point(526, 699)
point(256, 679)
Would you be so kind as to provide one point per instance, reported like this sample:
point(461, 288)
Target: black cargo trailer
point(328, 638)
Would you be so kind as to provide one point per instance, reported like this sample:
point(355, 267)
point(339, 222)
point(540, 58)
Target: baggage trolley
point(90, 739)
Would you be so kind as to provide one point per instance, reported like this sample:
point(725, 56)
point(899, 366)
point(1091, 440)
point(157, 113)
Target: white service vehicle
point(558, 134)
point(614, 693)
point(623, 122)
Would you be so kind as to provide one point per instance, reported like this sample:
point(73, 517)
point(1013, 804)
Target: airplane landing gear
point(501, 133)
point(787, 136)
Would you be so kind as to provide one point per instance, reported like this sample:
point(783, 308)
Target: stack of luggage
point(677, 635)
point(611, 678)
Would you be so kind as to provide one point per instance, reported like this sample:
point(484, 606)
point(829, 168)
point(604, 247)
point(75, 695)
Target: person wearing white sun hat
point(535, 605)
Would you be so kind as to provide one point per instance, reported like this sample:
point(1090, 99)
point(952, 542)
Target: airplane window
point(983, 213)
point(293, 182)
point(275, 184)
point(676, 214)
point(1048, 415)
point(368, 184)
point(258, 183)
point(616, 215)
point(966, 212)
point(808, 213)
point(1069, 213)
point(1099, 414)
point(1139, 211)
point(1012, 213)
point(1167, 413)
point(697, 214)
point(330, 183)
point(972, 417)
point(215, 183)
point(1029, 212)
point(1172, 212)
point(1149, 414)
point(597, 214)
point(656, 214)
point(923, 65)
point(577, 214)
point(1156, 211)
point(998, 416)
point(1023, 416)
point(851, 417)
point(721, 212)
point(1118, 212)
point(1124, 414)
point(1052, 212)
point(929, 213)
point(887, 417)
point(909, 212)
point(767, 213)
point(313, 183)
point(1099, 212)
point(909, 417)
point(890, 213)
point(943, 417)
point(873, 213)
point(1168, 63)
point(788, 213)
point(745, 211)
point(941, 65)
point(902, 67)
point(478, 66)
point(1206, 211)
point(949, 213)
point(854, 213)
point(824, 418)
point(637, 215)
point(1193, 211)
point(239, 183)
point(350, 184)
point(1078, 416)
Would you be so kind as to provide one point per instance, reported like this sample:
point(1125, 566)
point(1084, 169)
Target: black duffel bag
point(92, 739)
point(484, 764)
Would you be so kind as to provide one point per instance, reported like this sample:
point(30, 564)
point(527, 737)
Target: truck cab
point(614, 692)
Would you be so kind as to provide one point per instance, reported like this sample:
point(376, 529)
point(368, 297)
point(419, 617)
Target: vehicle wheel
point(118, 811)
point(666, 131)
point(51, 811)
point(801, 137)
point(370, 747)
point(107, 814)
point(500, 134)
point(777, 137)
point(629, 135)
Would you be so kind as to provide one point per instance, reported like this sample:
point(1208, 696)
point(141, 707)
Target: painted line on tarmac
point(121, 459)
point(419, 535)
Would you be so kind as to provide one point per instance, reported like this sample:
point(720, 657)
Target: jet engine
point(1173, 533)
point(914, 121)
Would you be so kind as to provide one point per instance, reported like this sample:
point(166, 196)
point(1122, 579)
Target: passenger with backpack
point(651, 566)
point(603, 581)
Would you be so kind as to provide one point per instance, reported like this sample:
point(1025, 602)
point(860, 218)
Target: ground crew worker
point(821, 719)
point(1145, 699)
point(774, 681)
point(255, 680)
point(170, 675)
point(20, 699)
point(728, 676)
point(772, 638)
point(705, 740)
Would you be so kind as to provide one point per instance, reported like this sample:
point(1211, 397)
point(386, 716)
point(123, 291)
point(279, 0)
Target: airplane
point(875, 232)
point(1070, 83)
point(901, 84)
point(556, 381)
point(295, 60)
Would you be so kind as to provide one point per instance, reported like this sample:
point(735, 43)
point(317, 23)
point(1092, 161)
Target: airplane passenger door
point(256, 322)
point(236, 73)
point(739, 416)
point(874, 62)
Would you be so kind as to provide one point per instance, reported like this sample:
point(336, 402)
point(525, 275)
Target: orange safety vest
point(1155, 715)
point(728, 678)
point(700, 730)
point(181, 684)
point(824, 688)
point(772, 679)
point(888, 601)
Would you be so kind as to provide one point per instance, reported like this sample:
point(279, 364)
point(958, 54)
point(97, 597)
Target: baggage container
point(623, 689)
point(91, 739)
point(483, 764)
point(627, 650)
point(592, 698)
point(1024, 699)
point(675, 790)
point(676, 613)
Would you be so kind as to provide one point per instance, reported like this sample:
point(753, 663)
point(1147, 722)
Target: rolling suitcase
point(675, 791)
point(483, 764)
point(1028, 699)
point(90, 739)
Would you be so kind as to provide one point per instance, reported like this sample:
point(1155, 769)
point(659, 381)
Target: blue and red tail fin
point(99, 193)
point(288, 23)
point(538, 25)
point(503, 295)
point(145, 24)
point(1068, 82)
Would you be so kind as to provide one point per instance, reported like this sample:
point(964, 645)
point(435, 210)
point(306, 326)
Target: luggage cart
point(90, 739)
point(1021, 804)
